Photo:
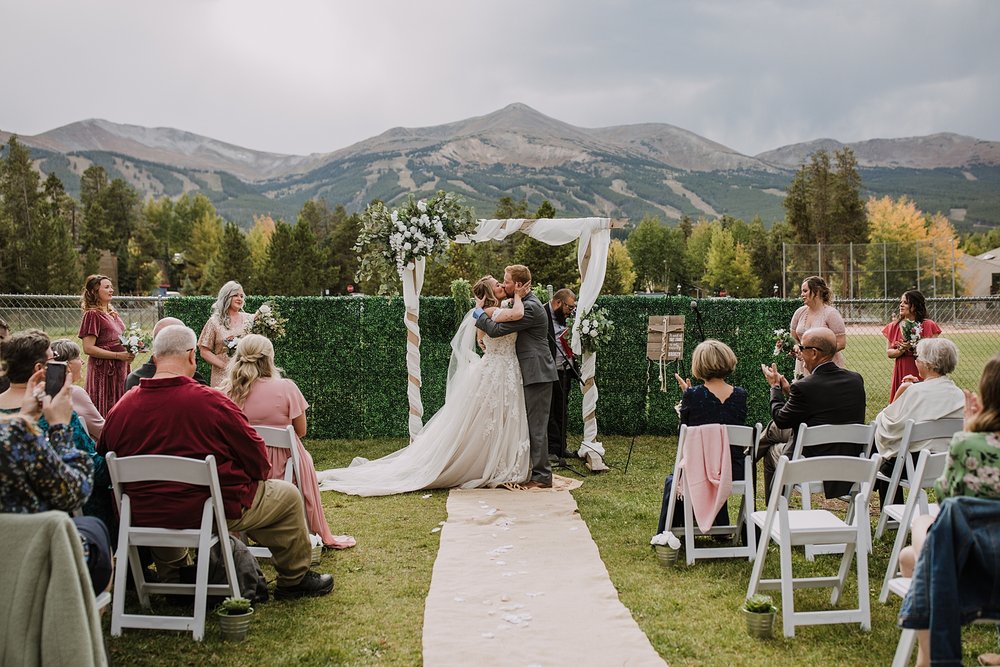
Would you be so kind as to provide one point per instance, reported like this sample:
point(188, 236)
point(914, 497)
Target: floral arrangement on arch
point(267, 322)
point(595, 329)
point(391, 240)
point(135, 340)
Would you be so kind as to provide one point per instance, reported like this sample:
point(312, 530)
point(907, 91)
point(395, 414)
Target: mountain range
point(622, 171)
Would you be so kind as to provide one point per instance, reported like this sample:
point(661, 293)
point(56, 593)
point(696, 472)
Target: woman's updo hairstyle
point(819, 287)
point(253, 360)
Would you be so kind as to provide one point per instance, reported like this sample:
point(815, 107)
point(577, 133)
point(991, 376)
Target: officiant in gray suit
point(538, 370)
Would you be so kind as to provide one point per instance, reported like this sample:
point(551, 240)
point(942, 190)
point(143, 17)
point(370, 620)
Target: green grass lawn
point(375, 614)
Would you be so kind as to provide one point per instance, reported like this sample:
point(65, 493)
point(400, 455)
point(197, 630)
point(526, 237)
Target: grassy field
point(375, 614)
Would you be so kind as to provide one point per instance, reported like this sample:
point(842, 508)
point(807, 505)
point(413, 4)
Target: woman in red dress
point(911, 307)
point(109, 361)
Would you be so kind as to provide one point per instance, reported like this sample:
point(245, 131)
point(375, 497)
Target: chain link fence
point(973, 323)
point(59, 315)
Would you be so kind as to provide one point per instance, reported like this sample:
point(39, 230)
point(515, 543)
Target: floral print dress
point(973, 467)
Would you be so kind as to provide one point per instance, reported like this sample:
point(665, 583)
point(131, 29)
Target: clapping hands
point(682, 383)
point(774, 377)
point(973, 406)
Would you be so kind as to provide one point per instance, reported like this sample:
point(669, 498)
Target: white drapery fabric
point(594, 235)
point(413, 281)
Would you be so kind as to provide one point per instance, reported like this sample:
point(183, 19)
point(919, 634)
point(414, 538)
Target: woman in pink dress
point(223, 331)
point(816, 311)
point(913, 307)
point(255, 384)
point(109, 361)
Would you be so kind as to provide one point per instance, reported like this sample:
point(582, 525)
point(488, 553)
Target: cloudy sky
point(302, 76)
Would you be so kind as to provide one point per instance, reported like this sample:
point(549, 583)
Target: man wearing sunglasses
point(827, 395)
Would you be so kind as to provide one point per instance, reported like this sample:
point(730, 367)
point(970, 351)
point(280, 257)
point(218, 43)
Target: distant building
point(981, 274)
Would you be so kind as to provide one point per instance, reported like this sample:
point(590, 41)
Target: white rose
point(421, 205)
point(400, 226)
point(585, 326)
point(264, 309)
point(407, 245)
point(593, 333)
point(395, 216)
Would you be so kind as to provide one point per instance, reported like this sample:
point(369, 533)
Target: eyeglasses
point(800, 348)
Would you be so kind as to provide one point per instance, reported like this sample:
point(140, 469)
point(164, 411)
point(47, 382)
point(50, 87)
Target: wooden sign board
point(665, 338)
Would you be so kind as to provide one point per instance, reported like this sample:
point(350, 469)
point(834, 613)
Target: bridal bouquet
point(783, 342)
point(595, 329)
point(391, 240)
point(231, 343)
point(911, 333)
point(267, 322)
point(134, 340)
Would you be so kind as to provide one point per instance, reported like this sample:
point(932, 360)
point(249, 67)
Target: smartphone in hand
point(55, 377)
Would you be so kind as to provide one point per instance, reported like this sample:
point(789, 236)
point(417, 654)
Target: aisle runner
point(519, 581)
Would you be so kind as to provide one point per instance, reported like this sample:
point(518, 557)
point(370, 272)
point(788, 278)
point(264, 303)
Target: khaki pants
point(276, 520)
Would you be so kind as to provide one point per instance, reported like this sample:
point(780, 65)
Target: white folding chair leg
point(904, 649)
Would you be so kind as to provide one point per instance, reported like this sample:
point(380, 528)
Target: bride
point(479, 437)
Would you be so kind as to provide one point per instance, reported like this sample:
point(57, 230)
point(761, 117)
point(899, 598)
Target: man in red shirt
point(171, 414)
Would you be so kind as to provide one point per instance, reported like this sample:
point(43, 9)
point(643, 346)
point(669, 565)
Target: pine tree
point(23, 207)
point(309, 266)
point(206, 237)
point(620, 276)
point(280, 256)
point(232, 261)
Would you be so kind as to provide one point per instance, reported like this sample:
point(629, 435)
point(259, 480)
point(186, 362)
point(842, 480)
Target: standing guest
point(267, 399)
point(100, 331)
point(42, 471)
point(24, 354)
point(68, 352)
point(148, 369)
point(713, 402)
point(913, 307)
point(171, 414)
point(558, 308)
point(223, 330)
point(816, 312)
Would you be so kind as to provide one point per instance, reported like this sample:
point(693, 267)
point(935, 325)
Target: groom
point(538, 371)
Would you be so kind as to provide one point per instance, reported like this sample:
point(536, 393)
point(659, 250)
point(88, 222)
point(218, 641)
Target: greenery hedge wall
point(347, 354)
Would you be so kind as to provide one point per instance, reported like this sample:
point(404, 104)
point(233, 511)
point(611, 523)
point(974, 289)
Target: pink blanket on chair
point(708, 469)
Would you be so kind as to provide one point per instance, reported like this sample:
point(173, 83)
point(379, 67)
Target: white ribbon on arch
point(594, 236)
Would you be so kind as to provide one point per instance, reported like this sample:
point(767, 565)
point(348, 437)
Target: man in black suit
point(828, 395)
point(558, 309)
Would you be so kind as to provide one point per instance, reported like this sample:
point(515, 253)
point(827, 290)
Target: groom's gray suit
point(538, 372)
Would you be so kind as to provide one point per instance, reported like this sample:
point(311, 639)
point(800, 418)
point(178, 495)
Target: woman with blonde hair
point(100, 330)
point(255, 384)
point(223, 330)
point(814, 312)
point(68, 352)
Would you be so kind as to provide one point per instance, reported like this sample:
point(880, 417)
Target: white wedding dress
point(479, 437)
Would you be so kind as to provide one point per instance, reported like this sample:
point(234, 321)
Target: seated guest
point(930, 396)
point(267, 399)
point(24, 354)
point(148, 369)
point(828, 394)
point(714, 402)
point(40, 472)
point(972, 472)
point(171, 414)
point(68, 352)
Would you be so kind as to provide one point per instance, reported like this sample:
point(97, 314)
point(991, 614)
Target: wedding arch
point(594, 236)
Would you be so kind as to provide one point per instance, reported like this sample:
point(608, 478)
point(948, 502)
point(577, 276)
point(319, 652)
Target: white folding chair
point(788, 528)
point(929, 469)
point(936, 429)
point(739, 436)
point(826, 434)
point(212, 529)
point(281, 438)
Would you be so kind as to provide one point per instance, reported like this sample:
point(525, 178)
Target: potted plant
point(760, 611)
point(234, 618)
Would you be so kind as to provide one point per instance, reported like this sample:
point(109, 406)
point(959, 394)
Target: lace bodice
point(503, 346)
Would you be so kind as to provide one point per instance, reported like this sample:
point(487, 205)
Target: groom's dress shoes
point(535, 484)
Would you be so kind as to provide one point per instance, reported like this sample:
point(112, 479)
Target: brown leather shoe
point(535, 484)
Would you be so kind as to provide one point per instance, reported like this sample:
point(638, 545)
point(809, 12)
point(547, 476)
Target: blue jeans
point(957, 578)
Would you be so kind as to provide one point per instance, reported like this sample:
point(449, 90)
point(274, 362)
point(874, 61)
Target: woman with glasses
point(912, 308)
point(68, 352)
point(815, 312)
point(100, 329)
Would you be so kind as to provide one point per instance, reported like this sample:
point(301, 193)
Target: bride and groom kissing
point(493, 427)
